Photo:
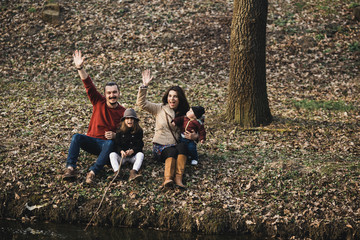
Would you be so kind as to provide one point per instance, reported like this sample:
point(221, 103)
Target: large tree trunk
point(247, 102)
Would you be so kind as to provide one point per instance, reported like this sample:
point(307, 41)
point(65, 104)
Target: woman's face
point(129, 122)
point(173, 99)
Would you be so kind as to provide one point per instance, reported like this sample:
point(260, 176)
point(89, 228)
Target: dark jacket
point(126, 141)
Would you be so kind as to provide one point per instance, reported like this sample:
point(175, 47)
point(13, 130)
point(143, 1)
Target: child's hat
point(129, 113)
point(198, 111)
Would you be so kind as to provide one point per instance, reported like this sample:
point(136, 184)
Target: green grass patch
point(288, 19)
point(325, 8)
point(353, 5)
point(326, 105)
point(354, 47)
point(319, 37)
point(300, 6)
point(32, 10)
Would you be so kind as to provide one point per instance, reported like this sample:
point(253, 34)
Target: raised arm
point(79, 64)
point(146, 77)
point(141, 101)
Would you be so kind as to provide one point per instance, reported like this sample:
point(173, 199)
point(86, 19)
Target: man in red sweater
point(106, 116)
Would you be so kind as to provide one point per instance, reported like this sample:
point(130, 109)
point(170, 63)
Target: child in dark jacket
point(128, 144)
point(191, 122)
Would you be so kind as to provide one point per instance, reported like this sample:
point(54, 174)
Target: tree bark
point(247, 102)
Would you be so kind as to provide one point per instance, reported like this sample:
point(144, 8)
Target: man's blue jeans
point(191, 146)
point(95, 146)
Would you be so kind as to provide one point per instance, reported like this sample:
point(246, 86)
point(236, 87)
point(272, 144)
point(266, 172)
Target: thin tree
point(247, 102)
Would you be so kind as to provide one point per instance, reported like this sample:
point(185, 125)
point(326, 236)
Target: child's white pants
point(137, 160)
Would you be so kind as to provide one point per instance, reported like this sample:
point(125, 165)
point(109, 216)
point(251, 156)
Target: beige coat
point(161, 112)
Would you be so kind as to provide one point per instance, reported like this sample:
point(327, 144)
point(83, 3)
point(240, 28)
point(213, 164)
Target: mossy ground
point(296, 178)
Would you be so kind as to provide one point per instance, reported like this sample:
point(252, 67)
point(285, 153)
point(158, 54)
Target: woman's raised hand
point(146, 77)
point(78, 60)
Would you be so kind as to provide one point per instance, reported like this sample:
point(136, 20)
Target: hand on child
point(126, 153)
point(202, 141)
point(123, 154)
point(191, 135)
point(129, 152)
point(109, 135)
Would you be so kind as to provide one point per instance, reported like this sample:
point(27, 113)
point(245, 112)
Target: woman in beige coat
point(165, 142)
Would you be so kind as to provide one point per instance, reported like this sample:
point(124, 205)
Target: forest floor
point(293, 179)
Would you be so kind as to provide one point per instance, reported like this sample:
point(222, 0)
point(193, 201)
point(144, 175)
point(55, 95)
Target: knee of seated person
point(182, 148)
point(169, 152)
point(76, 137)
point(140, 154)
point(109, 144)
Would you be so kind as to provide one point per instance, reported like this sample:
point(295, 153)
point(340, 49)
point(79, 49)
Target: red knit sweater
point(103, 118)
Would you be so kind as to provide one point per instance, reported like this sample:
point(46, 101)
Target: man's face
point(112, 95)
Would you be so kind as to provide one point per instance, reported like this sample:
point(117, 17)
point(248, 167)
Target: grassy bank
point(297, 177)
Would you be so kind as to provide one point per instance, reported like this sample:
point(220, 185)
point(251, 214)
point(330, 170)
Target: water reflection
point(21, 231)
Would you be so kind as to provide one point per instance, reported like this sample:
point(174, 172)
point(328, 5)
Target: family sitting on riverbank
point(115, 136)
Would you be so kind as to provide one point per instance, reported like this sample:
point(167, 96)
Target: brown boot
point(169, 172)
point(134, 175)
point(180, 169)
point(90, 177)
point(70, 173)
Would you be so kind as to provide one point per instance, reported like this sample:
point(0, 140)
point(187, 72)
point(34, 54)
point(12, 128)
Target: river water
point(20, 231)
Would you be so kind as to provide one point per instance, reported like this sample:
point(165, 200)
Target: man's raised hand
point(78, 59)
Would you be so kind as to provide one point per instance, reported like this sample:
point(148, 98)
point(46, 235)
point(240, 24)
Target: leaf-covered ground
point(296, 178)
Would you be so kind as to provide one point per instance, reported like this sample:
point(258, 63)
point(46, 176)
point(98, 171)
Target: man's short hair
point(112, 84)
